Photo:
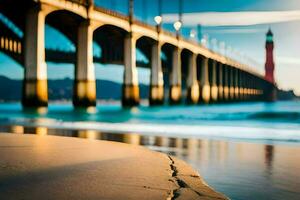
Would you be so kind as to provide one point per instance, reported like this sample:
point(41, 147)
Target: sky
point(239, 24)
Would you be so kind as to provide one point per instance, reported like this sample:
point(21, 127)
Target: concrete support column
point(260, 91)
point(131, 94)
point(157, 81)
point(204, 82)
point(35, 90)
point(214, 87)
point(193, 91)
point(226, 82)
point(247, 86)
point(236, 85)
point(256, 87)
point(221, 82)
point(257, 91)
point(251, 88)
point(241, 85)
point(175, 78)
point(84, 83)
point(231, 84)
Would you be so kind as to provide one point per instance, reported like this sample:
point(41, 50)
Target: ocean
point(244, 150)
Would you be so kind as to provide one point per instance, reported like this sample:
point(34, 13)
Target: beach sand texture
point(55, 167)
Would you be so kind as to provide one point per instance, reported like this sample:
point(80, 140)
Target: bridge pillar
point(204, 81)
point(192, 82)
point(84, 84)
point(214, 87)
point(247, 80)
point(246, 88)
point(35, 90)
point(254, 93)
point(261, 90)
point(241, 85)
point(258, 87)
point(252, 88)
point(226, 83)
point(157, 81)
point(220, 81)
point(175, 78)
point(231, 83)
point(131, 93)
point(236, 84)
point(244, 85)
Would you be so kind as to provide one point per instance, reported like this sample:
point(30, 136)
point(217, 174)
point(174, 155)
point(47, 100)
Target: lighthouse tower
point(269, 66)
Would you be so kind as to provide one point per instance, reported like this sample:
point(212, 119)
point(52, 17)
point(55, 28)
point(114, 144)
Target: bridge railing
point(148, 26)
point(10, 45)
point(140, 23)
point(82, 2)
point(111, 13)
point(172, 34)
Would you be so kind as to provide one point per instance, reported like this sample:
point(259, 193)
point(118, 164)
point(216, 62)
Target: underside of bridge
point(66, 22)
point(14, 17)
point(145, 45)
point(111, 40)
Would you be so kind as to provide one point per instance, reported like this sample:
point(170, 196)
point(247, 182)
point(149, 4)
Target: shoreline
point(263, 135)
point(64, 167)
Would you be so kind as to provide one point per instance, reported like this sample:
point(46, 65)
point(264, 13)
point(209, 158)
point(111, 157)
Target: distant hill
point(287, 95)
point(62, 89)
point(10, 90)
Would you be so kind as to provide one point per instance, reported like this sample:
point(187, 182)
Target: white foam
point(174, 130)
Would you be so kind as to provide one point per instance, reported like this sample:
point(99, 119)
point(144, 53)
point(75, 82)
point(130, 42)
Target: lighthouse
point(269, 66)
point(271, 89)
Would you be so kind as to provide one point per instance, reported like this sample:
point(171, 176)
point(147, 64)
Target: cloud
point(235, 31)
point(288, 60)
point(234, 18)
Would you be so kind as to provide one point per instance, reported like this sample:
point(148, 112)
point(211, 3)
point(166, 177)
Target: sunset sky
point(241, 24)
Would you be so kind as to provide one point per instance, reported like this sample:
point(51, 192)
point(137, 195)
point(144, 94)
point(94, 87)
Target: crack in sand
point(141, 186)
point(174, 194)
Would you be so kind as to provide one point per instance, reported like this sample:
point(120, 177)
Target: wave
point(289, 116)
point(175, 130)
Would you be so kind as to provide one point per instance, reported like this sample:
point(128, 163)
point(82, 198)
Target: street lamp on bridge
point(158, 18)
point(205, 40)
point(131, 11)
point(193, 33)
point(178, 24)
point(199, 33)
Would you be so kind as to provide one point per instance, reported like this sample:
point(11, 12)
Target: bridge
point(190, 70)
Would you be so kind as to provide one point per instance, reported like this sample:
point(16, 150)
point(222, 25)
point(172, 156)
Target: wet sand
point(55, 167)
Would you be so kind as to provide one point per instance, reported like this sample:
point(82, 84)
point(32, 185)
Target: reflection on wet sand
point(237, 169)
point(17, 129)
point(188, 148)
point(269, 155)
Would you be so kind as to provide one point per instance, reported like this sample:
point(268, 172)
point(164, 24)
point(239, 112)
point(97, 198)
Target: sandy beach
point(54, 167)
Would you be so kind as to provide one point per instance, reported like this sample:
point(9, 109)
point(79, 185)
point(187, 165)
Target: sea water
point(244, 150)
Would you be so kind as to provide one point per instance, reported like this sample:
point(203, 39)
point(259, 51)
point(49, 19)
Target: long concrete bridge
point(207, 76)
